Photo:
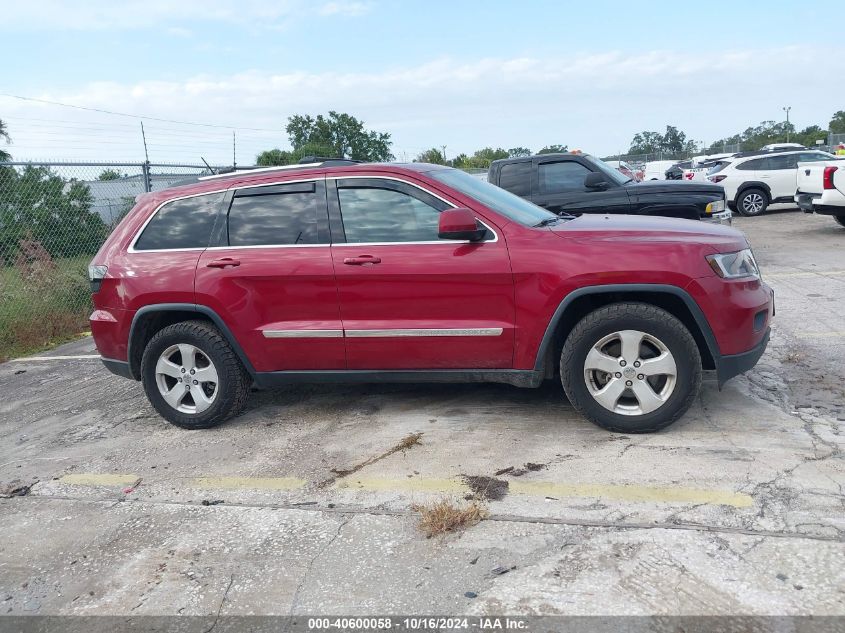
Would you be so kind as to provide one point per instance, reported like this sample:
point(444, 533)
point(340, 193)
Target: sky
point(460, 74)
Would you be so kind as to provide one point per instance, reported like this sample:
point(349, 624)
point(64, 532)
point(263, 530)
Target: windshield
point(499, 200)
point(609, 172)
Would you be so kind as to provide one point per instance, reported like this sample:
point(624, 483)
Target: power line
point(134, 116)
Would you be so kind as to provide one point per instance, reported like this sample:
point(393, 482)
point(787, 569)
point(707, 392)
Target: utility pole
point(444, 153)
point(787, 109)
point(148, 184)
point(234, 158)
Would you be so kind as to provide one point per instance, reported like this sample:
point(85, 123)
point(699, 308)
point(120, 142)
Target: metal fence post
point(148, 185)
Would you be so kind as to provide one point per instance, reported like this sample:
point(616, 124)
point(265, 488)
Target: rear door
point(780, 173)
point(270, 277)
point(408, 299)
point(559, 187)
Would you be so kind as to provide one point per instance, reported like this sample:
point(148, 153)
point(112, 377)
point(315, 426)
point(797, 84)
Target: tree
point(518, 152)
point(4, 134)
point(554, 149)
point(110, 174)
point(672, 141)
point(273, 158)
point(837, 123)
point(340, 135)
point(433, 156)
point(37, 205)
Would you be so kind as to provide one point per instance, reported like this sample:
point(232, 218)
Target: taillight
point(718, 178)
point(96, 274)
point(828, 177)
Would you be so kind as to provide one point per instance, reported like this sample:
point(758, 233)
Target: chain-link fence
point(53, 219)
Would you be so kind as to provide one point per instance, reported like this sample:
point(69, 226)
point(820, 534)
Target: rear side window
point(185, 223)
point(750, 165)
point(564, 176)
point(285, 218)
point(516, 178)
point(784, 161)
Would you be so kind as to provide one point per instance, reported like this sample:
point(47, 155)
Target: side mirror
point(459, 224)
point(595, 180)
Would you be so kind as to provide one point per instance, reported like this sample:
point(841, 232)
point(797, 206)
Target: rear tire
point(641, 394)
point(752, 202)
point(192, 376)
point(840, 219)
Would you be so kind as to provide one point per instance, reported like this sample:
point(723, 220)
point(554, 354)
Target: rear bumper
point(831, 202)
point(729, 366)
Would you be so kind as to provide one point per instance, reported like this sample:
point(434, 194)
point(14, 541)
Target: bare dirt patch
point(407, 442)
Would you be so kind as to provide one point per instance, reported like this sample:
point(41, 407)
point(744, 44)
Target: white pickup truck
point(821, 188)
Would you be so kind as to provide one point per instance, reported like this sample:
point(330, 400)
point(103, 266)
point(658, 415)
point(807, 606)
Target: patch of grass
point(39, 312)
point(444, 516)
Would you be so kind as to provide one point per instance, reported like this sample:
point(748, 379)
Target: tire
point(194, 348)
point(840, 219)
point(752, 202)
point(663, 337)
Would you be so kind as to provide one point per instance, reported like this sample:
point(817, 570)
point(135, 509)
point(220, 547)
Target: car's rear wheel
point(752, 202)
point(840, 219)
point(631, 367)
point(192, 376)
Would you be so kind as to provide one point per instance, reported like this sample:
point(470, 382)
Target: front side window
point(276, 219)
point(373, 214)
point(516, 178)
point(563, 176)
point(185, 223)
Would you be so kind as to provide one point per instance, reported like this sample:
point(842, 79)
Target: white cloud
point(595, 102)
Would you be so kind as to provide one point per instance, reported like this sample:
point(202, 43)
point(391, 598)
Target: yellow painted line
point(404, 485)
point(100, 479)
point(33, 359)
point(820, 334)
point(804, 273)
point(632, 492)
point(620, 492)
point(254, 483)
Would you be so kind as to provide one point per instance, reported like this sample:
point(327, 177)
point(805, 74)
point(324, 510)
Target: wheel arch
point(581, 302)
point(753, 184)
point(152, 318)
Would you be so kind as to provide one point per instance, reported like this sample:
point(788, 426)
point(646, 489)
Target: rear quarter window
point(185, 223)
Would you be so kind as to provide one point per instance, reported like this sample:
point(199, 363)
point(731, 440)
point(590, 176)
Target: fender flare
point(694, 308)
point(753, 184)
point(187, 307)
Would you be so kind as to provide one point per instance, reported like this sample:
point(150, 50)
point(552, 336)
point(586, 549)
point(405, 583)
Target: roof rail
point(254, 170)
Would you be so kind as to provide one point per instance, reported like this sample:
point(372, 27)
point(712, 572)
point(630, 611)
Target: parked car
point(821, 188)
point(417, 273)
point(656, 169)
point(754, 180)
point(624, 168)
point(576, 184)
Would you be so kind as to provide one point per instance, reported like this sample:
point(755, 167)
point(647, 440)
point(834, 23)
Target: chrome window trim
point(302, 333)
point(138, 233)
point(400, 333)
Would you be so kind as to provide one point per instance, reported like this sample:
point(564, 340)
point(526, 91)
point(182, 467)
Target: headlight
point(715, 207)
point(734, 265)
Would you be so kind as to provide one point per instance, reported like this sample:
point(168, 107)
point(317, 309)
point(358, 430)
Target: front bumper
point(729, 366)
point(723, 217)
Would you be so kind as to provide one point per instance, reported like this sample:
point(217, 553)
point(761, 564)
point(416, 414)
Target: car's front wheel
point(192, 376)
point(840, 219)
point(752, 202)
point(631, 367)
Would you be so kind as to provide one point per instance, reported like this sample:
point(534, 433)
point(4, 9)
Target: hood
point(636, 228)
point(675, 186)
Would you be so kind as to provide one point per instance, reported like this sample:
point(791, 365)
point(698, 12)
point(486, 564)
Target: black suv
point(579, 183)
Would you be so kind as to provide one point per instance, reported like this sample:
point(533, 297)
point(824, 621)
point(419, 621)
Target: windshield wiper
point(546, 222)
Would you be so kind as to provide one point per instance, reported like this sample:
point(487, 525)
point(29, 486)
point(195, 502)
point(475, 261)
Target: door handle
point(223, 262)
point(361, 260)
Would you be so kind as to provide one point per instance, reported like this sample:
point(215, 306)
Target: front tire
point(631, 368)
point(752, 202)
point(840, 219)
point(192, 376)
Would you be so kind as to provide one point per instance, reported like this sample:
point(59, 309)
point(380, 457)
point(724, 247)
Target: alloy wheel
point(753, 203)
point(630, 372)
point(186, 378)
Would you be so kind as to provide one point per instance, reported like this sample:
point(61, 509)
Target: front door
point(559, 187)
point(271, 279)
point(408, 299)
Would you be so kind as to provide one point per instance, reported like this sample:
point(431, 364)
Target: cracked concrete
point(736, 509)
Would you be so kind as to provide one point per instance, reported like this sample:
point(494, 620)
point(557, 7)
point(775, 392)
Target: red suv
point(417, 273)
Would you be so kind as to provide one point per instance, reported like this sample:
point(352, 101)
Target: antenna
point(207, 165)
point(144, 136)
